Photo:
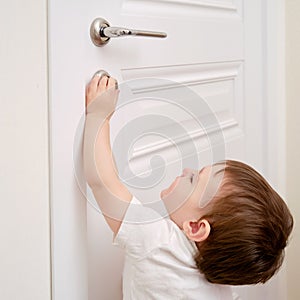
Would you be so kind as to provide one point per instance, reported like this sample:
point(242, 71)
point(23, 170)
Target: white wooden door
point(214, 48)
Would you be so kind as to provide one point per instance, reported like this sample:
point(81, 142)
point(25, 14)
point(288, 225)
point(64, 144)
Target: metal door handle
point(101, 32)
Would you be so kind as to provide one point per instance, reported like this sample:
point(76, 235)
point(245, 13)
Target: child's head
point(241, 232)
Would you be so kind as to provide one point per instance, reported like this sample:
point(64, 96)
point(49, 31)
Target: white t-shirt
point(159, 261)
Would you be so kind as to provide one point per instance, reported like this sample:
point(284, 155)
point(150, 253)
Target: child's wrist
point(108, 117)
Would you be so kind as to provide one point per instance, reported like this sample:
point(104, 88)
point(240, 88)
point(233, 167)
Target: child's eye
point(192, 178)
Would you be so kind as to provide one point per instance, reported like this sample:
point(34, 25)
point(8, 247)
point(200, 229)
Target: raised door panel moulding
point(220, 85)
point(190, 8)
point(184, 74)
point(215, 4)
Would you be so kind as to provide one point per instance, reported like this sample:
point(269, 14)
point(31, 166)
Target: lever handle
point(101, 32)
point(118, 31)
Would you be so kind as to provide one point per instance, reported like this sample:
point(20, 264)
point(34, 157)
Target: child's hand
point(103, 91)
point(97, 86)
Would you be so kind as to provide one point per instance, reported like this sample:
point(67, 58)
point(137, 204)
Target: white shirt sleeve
point(142, 230)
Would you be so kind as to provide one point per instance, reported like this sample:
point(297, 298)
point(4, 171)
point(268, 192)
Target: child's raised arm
point(100, 171)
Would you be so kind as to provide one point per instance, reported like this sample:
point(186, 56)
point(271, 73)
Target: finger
point(93, 85)
point(91, 90)
point(111, 83)
point(102, 84)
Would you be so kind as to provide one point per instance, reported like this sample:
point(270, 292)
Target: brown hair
point(250, 226)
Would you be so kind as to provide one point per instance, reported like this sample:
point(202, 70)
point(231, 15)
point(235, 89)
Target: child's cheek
point(180, 194)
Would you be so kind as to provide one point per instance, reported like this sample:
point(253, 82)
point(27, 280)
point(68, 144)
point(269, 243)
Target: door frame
point(273, 19)
point(274, 114)
point(275, 92)
point(275, 95)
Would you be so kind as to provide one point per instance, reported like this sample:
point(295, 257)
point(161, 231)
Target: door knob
point(101, 32)
point(102, 73)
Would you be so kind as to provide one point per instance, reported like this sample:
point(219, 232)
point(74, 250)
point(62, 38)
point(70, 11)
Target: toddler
point(226, 225)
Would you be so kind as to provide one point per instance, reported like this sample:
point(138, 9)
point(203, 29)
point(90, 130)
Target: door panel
point(214, 48)
point(200, 62)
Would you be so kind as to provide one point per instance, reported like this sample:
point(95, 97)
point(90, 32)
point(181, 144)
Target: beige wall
point(293, 140)
point(24, 186)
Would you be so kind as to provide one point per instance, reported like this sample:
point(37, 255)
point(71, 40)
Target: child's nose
point(187, 171)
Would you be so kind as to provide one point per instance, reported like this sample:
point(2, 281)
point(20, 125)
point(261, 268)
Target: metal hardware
point(102, 73)
point(101, 32)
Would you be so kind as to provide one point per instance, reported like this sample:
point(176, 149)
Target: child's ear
point(197, 231)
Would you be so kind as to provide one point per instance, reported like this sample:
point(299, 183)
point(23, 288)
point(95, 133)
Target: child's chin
point(170, 189)
point(162, 194)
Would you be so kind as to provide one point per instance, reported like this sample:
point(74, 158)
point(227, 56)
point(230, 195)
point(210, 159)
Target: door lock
point(101, 32)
